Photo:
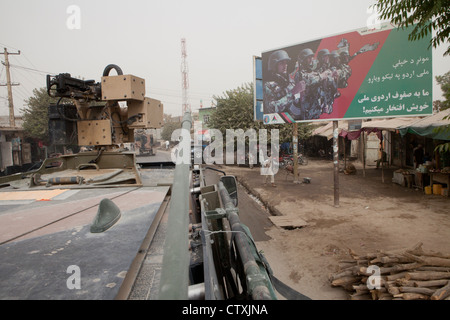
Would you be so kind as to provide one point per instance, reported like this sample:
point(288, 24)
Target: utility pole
point(12, 121)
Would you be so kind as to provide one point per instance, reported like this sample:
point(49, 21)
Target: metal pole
point(175, 268)
point(336, 162)
point(258, 280)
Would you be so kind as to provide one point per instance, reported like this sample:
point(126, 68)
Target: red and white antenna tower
point(184, 77)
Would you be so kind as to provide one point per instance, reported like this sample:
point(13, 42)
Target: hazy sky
point(144, 39)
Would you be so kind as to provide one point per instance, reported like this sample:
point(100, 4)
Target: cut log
point(425, 291)
point(406, 266)
point(405, 283)
point(427, 275)
point(394, 290)
point(391, 287)
point(412, 296)
point(363, 271)
point(442, 293)
point(430, 283)
point(362, 288)
point(345, 273)
point(396, 276)
point(377, 293)
point(345, 280)
point(360, 297)
point(430, 261)
point(395, 259)
point(440, 269)
point(385, 296)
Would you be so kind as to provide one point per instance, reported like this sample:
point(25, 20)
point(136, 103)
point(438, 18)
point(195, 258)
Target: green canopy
point(435, 127)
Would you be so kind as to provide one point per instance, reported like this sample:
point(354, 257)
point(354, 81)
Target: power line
point(35, 81)
point(30, 69)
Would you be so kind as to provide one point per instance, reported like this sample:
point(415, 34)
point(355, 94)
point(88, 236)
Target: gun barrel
point(67, 86)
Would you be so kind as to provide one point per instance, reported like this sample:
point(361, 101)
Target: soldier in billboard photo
point(323, 58)
point(339, 62)
point(278, 91)
point(306, 74)
point(329, 76)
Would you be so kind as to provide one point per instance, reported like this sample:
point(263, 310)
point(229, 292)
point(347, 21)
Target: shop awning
point(327, 130)
point(436, 126)
point(389, 124)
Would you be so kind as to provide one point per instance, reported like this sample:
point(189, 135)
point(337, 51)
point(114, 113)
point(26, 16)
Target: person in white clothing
point(267, 171)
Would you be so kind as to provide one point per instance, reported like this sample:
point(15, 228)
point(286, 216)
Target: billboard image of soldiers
point(361, 74)
point(311, 88)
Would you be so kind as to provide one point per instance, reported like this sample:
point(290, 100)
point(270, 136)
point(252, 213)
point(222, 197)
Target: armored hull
point(47, 247)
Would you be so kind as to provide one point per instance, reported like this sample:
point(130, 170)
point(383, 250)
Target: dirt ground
point(371, 216)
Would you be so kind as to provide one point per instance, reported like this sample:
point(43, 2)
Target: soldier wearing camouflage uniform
point(344, 69)
point(278, 96)
point(310, 97)
point(328, 89)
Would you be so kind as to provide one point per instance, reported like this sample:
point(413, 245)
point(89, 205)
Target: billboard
point(362, 74)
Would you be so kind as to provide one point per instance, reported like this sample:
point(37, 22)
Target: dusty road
point(371, 216)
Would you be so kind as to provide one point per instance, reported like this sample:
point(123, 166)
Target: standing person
point(382, 156)
point(268, 171)
point(167, 144)
point(418, 156)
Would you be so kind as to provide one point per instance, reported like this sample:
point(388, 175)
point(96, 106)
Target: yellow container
point(437, 188)
point(428, 190)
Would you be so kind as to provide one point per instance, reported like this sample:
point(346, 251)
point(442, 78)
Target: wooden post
point(345, 153)
point(364, 152)
point(12, 121)
point(295, 151)
point(382, 163)
point(336, 162)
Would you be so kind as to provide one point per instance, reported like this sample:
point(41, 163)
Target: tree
point(35, 114)
point(428, 15)
point(234, 110)
point(439, 105)
point(168, 128)
point(444, 82)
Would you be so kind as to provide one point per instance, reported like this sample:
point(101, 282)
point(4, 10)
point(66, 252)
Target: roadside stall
point(389, 127)
point(437, 128)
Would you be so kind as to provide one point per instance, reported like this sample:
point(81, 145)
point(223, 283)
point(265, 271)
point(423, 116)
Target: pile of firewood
point(414, 274)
